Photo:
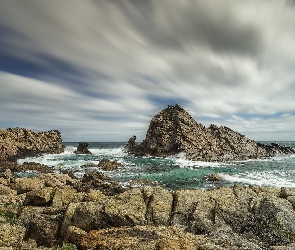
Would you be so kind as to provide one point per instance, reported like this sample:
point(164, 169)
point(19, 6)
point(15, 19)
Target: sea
point(173, 172)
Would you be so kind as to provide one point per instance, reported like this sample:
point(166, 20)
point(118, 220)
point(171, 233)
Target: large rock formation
point(173, 131)
point(20, 142)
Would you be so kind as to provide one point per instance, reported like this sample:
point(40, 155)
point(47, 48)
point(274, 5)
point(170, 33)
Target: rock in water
point(83, 148)
point(20, 143)
point(173, 130)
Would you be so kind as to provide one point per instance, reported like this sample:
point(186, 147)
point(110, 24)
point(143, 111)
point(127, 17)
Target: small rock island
point(173, 130)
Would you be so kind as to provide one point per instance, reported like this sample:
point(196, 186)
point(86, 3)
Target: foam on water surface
point(175, 171)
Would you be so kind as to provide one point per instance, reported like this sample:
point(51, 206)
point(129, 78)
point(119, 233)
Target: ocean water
point(175, 172)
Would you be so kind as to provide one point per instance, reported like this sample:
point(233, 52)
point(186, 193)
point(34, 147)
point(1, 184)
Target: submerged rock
point(212, 177)
point(173, 131)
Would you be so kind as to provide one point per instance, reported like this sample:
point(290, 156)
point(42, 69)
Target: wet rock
point(93, 180)
point(89, 165)
point(212, 177)
point(126, 209)
point(108, 165)
point(82, 148)
point(173, 130)
point(44, 230)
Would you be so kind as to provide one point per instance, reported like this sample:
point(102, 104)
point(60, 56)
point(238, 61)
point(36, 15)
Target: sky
point(100, 70)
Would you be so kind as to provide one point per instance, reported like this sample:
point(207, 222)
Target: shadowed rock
point(82, 148)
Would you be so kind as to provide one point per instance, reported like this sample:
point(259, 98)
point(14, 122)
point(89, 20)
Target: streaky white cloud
point(103, 65)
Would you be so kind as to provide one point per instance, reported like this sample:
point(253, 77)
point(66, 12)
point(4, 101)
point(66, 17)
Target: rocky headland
point(53, 210)
point(18, 143)
point(173, 130)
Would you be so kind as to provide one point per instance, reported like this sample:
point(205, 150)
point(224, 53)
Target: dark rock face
point(173, 131)
point(20, 143)
point(83, 148)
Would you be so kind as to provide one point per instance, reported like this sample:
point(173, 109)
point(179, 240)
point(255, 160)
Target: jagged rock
point(82, 148)
point(173, 131)
point(89, 165)
point(212, 177)
point(93, 180)
point(20, 143)
point(108, 165)
point(63, 196)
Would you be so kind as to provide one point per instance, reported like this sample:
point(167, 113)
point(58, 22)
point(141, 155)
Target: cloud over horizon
point(99, 70)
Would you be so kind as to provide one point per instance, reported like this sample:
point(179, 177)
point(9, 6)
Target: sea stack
point(173, 130)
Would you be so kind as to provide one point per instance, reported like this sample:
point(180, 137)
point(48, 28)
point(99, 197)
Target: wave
point(259, 179)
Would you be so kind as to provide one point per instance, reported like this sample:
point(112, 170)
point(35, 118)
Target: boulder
point(173, 130)
point(63, 197)
point(126, 209)
point(23, 185)
point(82, 148)
point(108, 165)
point(159, 205)
point(93, 180)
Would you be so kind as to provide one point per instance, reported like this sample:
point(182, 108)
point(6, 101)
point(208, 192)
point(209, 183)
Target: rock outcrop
point(82, 148)
point(173, 131)
point(20, 143)
point(49, 210)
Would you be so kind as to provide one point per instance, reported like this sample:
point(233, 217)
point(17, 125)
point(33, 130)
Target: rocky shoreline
point(51, 210)
point(173, 131)
point(59, 211)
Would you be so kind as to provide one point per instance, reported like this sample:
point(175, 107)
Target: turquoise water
point(175, 172)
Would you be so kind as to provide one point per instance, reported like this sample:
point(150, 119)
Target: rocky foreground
point(173, 131)
point(18, 143)
point(49, 210)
